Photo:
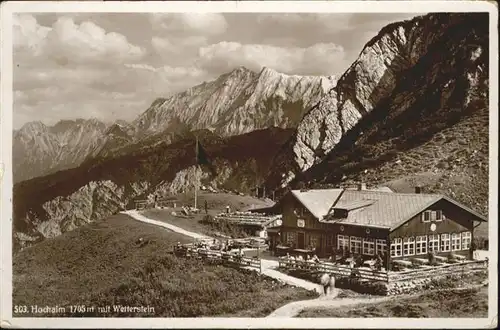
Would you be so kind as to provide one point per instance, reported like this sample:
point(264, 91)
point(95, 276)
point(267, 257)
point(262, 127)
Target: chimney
point(361, 186)
point(418, 190)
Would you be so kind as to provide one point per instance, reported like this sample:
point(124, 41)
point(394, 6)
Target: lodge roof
point(317, 201)
point(372, 208)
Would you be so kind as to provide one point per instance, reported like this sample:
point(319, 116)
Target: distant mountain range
point(39, 149)
point(411, 110)
point(235, 103)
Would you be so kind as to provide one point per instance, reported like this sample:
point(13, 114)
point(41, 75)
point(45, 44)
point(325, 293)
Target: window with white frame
point(466, 239)
point(428, 216)
point(355, 244)
point(369, 246)
point(381, 246)
point(396, 247)
point(434, 243)
point(445, 242)
point(455, 241)
point(409, 246)
point(421, 245)
point(343, 242)
point(438, 215)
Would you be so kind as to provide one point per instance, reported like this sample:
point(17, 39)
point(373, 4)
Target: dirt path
point(326, 302)
point(269, 269)
point(139, 217)
point(268, 266)
point(294, 308)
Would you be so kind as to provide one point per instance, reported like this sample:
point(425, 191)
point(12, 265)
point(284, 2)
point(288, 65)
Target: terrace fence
point(161, 203)
point(218, 256)
point(249, 218)
point(388, 277)
point(432, 271)
point(339, 270)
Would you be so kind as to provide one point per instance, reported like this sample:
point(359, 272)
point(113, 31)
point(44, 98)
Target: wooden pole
point(196, 177)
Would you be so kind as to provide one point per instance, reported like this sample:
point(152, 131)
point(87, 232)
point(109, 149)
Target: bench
point(369, 263)
point(421, 261)
point(440, 258)
point(404, 263)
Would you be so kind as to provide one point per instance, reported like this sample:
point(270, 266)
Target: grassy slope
point(100, 264)
point(454, 303)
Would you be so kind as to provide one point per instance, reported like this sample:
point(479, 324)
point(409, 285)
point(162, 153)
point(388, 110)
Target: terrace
point(406, 271)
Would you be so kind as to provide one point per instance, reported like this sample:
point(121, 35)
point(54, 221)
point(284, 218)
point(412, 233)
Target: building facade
point(371, 222)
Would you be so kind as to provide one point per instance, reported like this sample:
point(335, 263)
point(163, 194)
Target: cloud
point(190, 23)
point(66, 42)
point(118, 94)
point(28, 77)
point(28, 35)
point(184, 46)
point(114, 65)
point(167, 80)
point(308, 21)
point(316, 59)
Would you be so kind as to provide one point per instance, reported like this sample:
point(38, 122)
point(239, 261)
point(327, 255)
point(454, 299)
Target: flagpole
point(196, 178)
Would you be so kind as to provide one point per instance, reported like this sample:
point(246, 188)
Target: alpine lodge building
point(372, 222)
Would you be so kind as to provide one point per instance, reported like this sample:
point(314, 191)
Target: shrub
point(367, 287)
point(415, 263)
point(481, 242)
point(431, 258)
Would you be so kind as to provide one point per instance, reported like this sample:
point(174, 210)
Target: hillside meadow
point(102, 264)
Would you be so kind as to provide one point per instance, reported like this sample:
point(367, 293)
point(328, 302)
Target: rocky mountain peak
point(39, 149)
point(379, 77)
point(33, 127)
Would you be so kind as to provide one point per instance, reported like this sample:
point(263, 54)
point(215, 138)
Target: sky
point(112, 66)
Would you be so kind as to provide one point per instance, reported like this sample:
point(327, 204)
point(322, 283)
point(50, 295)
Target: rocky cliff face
point(238, 102)
point(39, 149)
point(373, 77)
point(420, 121)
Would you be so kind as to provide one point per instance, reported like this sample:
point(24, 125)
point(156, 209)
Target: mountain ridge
point(236, 102)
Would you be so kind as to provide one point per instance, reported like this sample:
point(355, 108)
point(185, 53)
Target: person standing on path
point(206, 207)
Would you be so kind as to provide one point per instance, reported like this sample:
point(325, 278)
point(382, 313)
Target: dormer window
point(339, 213)
point(428, 216)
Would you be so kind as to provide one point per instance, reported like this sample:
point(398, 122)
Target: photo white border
point(8, 8)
